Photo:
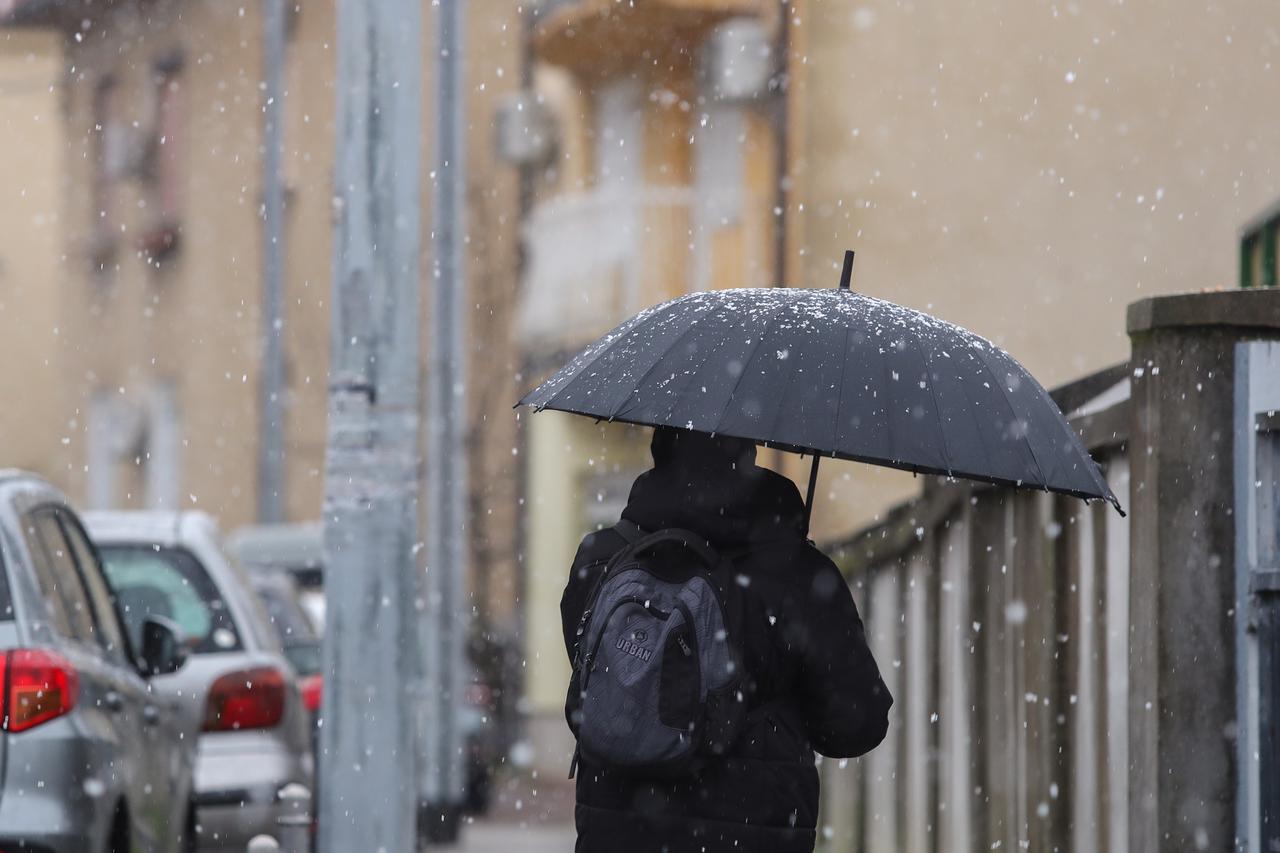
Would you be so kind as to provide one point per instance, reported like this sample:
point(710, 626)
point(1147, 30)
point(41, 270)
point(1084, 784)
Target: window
point(170, 582)
point(1259, 261)
point(58, 577)
point(110, 633)
point(106, 141)
point(165, 161)
point(169, 138)
point(162, 454)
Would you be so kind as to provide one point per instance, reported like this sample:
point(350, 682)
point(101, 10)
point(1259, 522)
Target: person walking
point(715, 649)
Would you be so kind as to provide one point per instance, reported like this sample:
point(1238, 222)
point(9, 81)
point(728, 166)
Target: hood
point(730, 507)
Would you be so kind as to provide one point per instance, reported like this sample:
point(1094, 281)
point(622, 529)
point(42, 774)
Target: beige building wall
point(191, 324)
point(190, 321)
point(31, 160)
point(1025, 169)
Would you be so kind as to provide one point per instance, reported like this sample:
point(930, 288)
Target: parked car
point(296, 551)
point(92, 760)
point(293, 626)
point(239, 689)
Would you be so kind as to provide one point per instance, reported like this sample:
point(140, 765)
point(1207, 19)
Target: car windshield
point(170, 582)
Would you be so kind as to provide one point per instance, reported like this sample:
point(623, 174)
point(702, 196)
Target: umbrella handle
point(813, 486)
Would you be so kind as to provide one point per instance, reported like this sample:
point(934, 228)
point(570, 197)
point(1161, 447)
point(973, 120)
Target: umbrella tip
point(847, 273)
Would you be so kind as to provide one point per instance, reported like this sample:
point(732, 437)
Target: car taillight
point(247, 699)
point(312, 688)
point(479, 695)
point(39, 686)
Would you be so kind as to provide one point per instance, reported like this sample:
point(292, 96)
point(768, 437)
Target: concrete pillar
point(1182, 711)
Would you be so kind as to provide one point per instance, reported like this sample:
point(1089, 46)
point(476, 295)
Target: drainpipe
point(271, 382)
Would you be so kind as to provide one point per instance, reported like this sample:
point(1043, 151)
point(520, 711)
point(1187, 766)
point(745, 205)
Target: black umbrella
point(830, 373)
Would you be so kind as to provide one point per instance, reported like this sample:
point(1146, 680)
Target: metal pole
point(271, 382)
point(371, 654)
point(446, 627)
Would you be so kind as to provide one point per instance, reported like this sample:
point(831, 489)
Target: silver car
point(238, 689)
point(92, 760)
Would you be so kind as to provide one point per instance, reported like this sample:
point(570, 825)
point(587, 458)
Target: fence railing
point(1000, 622)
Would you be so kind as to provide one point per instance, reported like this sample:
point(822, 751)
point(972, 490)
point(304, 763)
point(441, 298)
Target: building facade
point(662, 180)
point(1023, 170)
point(148, 320)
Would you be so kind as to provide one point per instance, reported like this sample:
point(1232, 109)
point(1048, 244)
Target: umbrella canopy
point(831, 373)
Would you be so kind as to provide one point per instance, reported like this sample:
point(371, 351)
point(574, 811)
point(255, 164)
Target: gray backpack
point(658, 665)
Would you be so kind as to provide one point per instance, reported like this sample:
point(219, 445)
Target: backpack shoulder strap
point(629, 531)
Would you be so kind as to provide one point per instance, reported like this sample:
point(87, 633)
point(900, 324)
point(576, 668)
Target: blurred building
point(1024, 170)
point(138, 260)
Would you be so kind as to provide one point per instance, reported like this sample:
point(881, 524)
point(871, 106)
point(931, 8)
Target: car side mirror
point(163, 647)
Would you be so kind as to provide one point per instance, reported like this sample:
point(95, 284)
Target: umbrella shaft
point(813, 487)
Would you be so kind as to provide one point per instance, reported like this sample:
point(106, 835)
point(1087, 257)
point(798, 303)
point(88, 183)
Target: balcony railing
point(596, 258)
point(599, 37)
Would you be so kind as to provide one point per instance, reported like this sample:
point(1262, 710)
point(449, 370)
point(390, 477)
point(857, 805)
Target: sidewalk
point(490, 837)
point(528, 815)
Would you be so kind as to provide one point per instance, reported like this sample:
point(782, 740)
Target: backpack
point(657, 684)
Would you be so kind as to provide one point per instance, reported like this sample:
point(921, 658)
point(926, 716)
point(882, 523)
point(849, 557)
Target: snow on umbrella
point(830, 373)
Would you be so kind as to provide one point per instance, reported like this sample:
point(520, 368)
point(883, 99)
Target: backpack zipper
point(630, 599)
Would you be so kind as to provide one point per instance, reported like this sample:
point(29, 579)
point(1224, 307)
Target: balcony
point(597, 38)
point(596, 258)
point(57, 14)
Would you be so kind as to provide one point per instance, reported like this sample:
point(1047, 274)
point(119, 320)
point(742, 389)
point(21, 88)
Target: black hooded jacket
point(816, 684)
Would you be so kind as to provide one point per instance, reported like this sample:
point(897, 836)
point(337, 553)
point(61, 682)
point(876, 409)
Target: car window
point(170, 582)
point(110, 632)
point(285, 614)
point(259, 621)
point(46, 578)
point(59, 578)
point(8, 548)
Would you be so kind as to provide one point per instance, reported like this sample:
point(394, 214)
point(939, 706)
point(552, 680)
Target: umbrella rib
point(635, 327)
point(691, 377)
point(733, 392)
point(844, 369)
point(937, 410)
point(618, 409)
point(1031, 451)
point(1073, 437)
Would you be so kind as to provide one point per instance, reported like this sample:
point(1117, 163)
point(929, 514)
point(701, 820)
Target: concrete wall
point(1183, 773)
